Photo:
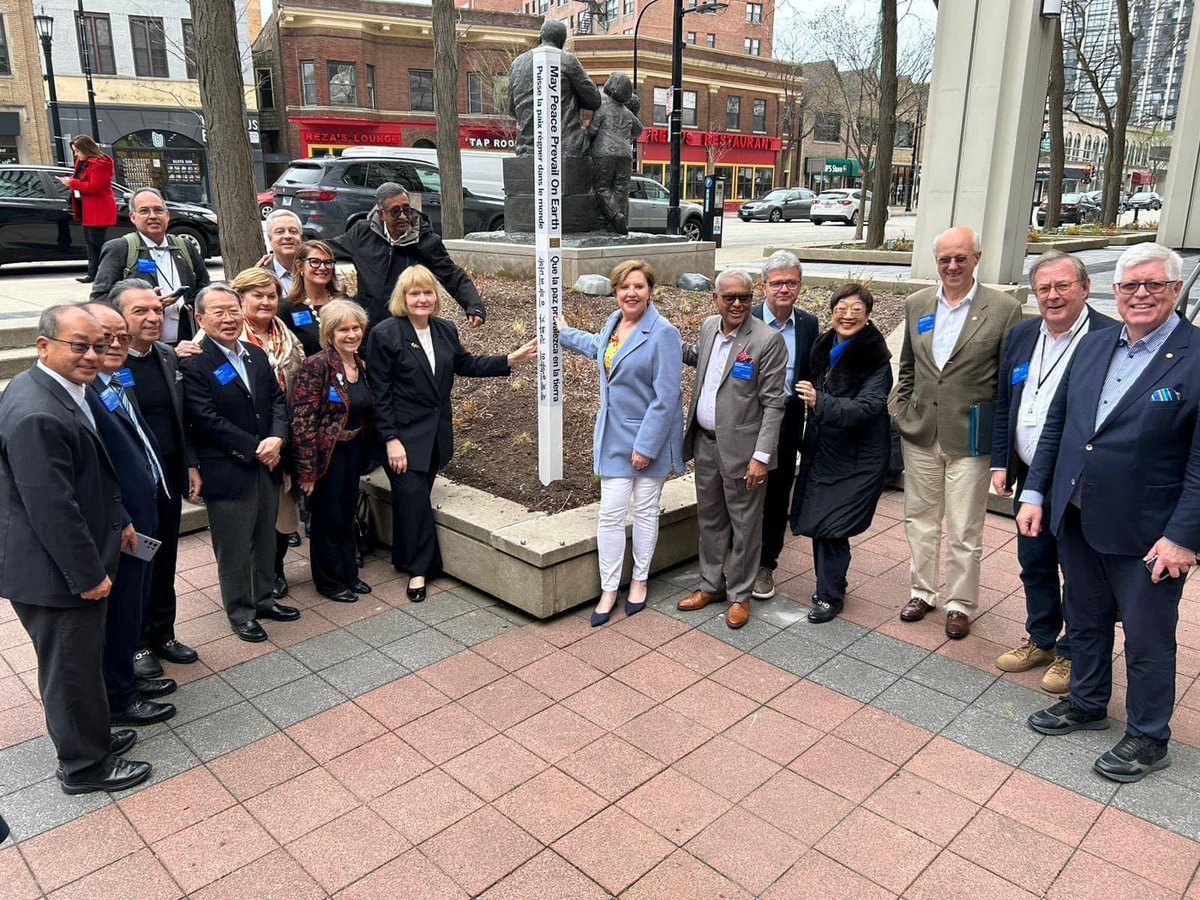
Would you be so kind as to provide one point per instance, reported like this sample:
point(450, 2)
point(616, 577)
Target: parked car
point(266, 202)
point(482, 170)
point(1097, 199)
point(331, 193)
point(839, 205)
point(1146, 200)
point(1073, 209)
point(648, 205)
point(36, 223)
point(779, 205)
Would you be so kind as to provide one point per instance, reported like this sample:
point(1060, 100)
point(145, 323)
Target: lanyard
point(161, 274)
point(1043, 375)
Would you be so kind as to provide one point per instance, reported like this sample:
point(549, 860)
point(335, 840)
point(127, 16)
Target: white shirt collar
point(165, 245)
point(77, 392)
point(966, 301)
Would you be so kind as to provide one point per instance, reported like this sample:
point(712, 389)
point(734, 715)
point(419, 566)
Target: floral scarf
point(282, 349)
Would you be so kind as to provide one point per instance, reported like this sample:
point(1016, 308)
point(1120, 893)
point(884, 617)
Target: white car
point(839, 205)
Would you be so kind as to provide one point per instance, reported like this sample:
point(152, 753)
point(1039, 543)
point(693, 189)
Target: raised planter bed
point(1072, 243)
point(827, 253)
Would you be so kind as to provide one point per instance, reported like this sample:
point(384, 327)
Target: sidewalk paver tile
point(422, 807)
point(137, 875)
point(43, 806)
point(664, 734)
point(475, 626)
point(514, 649)
point(746, 849)
point(227, 729)
point(1069, 764)
point(1144, 849)
point(932, 811)
point(439, 608)
point(382, 629)
point(378, 766)
point(480, 850)
point(555, 733)
point(276, 876)
point(176, 803)
point(298, 806)
point(402, 701)
point(712, 705)
point(1163, 802)
point(727, 768)
point(614, 849)
point(422, 648)
point(959, 680)
point(200, 698)
point(1000, 738)
point(651, 628)
point(326, 649)
point(674, 805)
point(769, 733)
point(359, 674)
point(408, 875)
point(836, 635)
point(546, 875)
point(610, 766)
point(608, 703)
point(1016, 852)
point(967, 772)
point(1087, 877)
point(26, 763)
point(342, 851)
point(550, 804)
point(745, 638)
point(264, 674)
point(261, 765)
point(18, 881)
point(559, 675)
point(921, 705)
point(335, 731)
point(754, 678)
point(1045, 807)
point(1013, 701)
point(952, 876)
point(657, 676)
point(700, 652)
point(886, 653)
point(607, 649)
point(211, 849)
point(883, 734)
point(842, 767)
point(889, 855)
point(854, 678)
point(298, 700)
point(782, 796)
point(461, 674)
point(817, 877)
point(495, 767)
point(445, 733)
point(682, 877)
point(80, 847)
point(505, 702)
point(815, 705)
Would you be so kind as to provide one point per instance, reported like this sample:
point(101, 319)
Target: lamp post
point(85, 42)
point(45, 30)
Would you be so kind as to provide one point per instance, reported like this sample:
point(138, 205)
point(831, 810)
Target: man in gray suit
point(953, 342)
point(732, 433)
point(62, 527)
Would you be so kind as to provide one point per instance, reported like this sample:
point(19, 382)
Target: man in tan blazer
point(953, 341)
point(732, 433)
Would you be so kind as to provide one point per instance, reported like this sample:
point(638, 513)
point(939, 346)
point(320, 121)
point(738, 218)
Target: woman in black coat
point(846, 442)
point(413, 358)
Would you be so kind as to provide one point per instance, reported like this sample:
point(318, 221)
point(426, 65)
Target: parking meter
point(714, 209)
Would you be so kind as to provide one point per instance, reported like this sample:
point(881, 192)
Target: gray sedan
point(778, 205)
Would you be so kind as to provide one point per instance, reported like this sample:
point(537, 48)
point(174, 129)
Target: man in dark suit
point(158, 391)
point(134, 455)
point(732, 432)
point(1036, 354)
point(239, 423)
point(1118, 472)
point(62, 529)
point(781, 287)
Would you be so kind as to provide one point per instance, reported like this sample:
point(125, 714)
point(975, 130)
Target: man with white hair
point(284, 236)
point(953, 342)
point(1118, 465)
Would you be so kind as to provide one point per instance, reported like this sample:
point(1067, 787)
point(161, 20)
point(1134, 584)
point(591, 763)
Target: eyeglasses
point(1060, 287)
point(81, 347)
point(315, 263)
point(944, 261)
point(780, 285)
point(1128, 288)
point(856, 309)
point(151, 210)
point(123, 340)
point(736, 299)
point(399, 212)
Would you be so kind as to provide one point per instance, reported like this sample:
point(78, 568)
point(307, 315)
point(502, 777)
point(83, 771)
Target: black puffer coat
point(846, 446)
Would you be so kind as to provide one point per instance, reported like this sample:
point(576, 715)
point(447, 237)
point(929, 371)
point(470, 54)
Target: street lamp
point(85, 43)
point(45, 31)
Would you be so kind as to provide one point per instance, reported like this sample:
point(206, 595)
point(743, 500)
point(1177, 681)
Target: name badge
point(742, 370)
point(1029, 416)
point(925, 323)
point(1020, 373)
point(302, 317)
point(146, 266)
point(110, 398)
point(124, 378)
point(334, 397)
point(226, 373)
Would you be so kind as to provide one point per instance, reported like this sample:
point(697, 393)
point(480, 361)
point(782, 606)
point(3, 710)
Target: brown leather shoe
point(738, 615)
point(915, 610)
point(957, 625)
point(698, 600)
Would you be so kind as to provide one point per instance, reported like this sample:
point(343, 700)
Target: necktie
point(151, 456)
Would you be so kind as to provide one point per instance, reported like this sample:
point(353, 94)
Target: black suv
point(331, 193)
point(36, 223)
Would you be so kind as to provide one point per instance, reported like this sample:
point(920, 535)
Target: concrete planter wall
point(538, 562)
point(818, 253)
point(669, 260)
point(1072, 244)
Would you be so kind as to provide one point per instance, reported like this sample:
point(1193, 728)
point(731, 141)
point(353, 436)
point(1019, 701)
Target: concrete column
point(986, 103)
point(1179, 224)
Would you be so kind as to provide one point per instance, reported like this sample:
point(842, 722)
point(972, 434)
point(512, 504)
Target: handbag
point(364, 537)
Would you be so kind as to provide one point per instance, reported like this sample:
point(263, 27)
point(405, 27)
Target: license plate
point(287, 201)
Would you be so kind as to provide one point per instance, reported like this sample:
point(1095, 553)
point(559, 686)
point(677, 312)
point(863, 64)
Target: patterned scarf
point(282, 349)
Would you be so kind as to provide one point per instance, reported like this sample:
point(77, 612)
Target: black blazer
point(139, 485)
point(805, 331)
point(1139, 472)
point(168, 361)
point(1018, 350)
point(411, 402)
point(228, 423)
point(60, 500)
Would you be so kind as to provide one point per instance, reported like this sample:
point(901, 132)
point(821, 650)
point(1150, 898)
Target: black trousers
point(831, 557)
point(332, 503)
point(158, 616)
point(123, 630)
point(1039, 561)
point(93, 238)
point(779, 487)
point(69, 644)
point(415, 547)
point(1101, 588)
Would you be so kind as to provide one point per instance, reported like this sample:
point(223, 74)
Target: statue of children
point(613, 129)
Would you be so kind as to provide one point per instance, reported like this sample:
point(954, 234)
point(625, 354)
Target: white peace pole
point(547, 181)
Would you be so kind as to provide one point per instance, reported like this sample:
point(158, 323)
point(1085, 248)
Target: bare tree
point(445, 101)
point(888, 89)
point(222, 96)
point(1058, 149)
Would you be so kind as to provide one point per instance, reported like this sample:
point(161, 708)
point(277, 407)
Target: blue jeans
point(1043, 595)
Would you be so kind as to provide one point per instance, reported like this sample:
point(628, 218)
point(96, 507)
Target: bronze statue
point(613, 130)
point(577, 91)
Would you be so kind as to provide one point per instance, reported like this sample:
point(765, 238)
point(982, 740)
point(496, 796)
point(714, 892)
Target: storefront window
point(725, 174)
point(764, 180)
point(174, 164)
point(693, 181)
point(474, 93)
point(745, 181)
point(5, 65)
point(655, 171)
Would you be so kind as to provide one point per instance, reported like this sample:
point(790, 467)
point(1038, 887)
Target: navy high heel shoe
point(632, 609)
point(599, 618)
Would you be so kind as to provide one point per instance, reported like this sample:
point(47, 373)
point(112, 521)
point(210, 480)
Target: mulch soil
point(495, 419)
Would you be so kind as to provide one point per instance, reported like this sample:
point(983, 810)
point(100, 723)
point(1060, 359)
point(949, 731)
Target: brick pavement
point(457, 749)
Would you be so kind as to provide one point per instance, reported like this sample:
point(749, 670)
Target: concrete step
point(195, 518)
point(16, 360)
point(17, 333)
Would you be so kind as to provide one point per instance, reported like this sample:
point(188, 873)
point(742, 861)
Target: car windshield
point(773, 196)
point(301, 175)
point(1070, 198)
point(1141, 196)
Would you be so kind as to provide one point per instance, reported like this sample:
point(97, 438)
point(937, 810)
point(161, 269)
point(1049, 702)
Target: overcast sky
point(792, 16)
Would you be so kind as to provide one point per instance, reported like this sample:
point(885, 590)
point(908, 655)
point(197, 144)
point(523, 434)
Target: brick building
point(24, 129)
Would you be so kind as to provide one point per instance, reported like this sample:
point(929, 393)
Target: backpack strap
point(185, 253)
point(134, 243)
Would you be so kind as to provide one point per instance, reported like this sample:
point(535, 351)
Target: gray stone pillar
point(986, 102)
point(1179, 225)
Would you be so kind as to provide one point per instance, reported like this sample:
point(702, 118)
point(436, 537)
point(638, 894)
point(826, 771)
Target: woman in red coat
point(92, 201)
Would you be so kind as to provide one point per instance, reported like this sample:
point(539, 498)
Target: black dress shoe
point(150, 688)
point(279, 613)
point(294, 539)
point(144, 712)
point(360, 587)
point(85, 279)
point(1064, 717)
point(823, 611)
point(1134, 757)
point(280, 589)
point(345, 595)
point(416, 595)
point(121, 740)
point(116, 774)
point(146, 666)
point(175, 652)
point(250, 631)
point(3, 830)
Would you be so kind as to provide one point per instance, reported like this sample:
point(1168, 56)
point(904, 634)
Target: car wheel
point(265, 210)
point(193, 237)
point(775, 216)
point(497, 224)
point(690, 229)
point(854, 217)
point(816, 221)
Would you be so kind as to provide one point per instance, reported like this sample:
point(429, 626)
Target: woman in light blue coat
point(638, 439)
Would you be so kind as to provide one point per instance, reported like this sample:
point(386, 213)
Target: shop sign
point(349, 137)
point(723, 139)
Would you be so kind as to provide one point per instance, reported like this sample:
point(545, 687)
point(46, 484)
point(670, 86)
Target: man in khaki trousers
point(953, 341)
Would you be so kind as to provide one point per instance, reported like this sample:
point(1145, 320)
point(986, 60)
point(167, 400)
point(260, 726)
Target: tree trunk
point(219, 70)
point(1114, 161)
point(1058, 148)
point(886, 132)
point(445, 101)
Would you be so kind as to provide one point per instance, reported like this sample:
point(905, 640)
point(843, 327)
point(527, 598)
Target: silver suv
point(648, 204)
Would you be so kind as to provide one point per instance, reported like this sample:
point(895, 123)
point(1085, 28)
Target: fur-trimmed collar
point(868, 350)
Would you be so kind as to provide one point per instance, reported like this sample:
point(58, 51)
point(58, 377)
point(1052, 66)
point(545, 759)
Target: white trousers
point(610, 529)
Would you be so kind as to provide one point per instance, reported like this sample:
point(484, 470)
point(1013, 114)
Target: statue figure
point(577, 92)
point(613, 130)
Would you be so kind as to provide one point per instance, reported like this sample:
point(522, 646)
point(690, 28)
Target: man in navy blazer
point(1036, 354)
point(1118, 466)
point(239, 423)
point(781, 287)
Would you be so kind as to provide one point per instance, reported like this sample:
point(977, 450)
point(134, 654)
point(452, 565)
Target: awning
point(10, 123)
point(831, 165)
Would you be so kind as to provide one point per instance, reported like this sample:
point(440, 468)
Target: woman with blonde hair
point(413, 358)
point(314, 284)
